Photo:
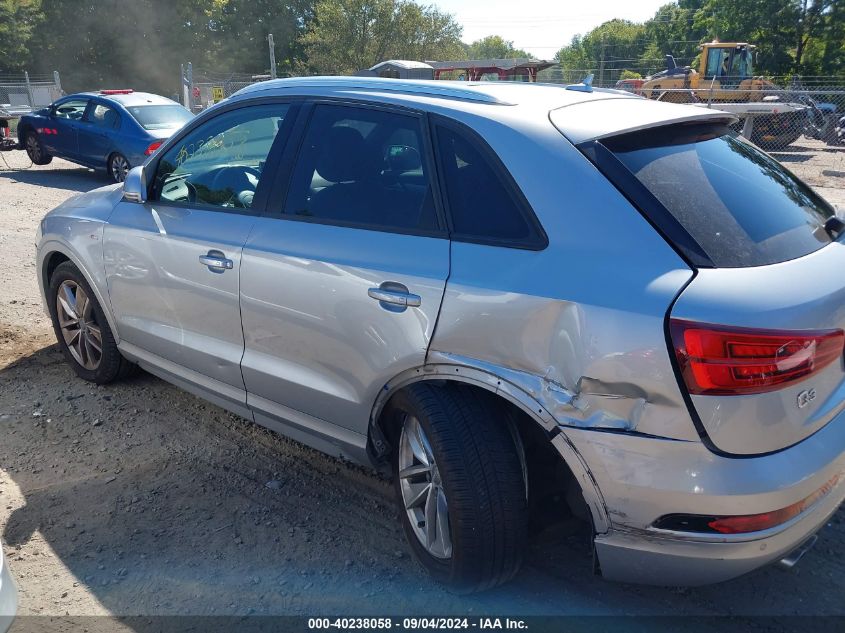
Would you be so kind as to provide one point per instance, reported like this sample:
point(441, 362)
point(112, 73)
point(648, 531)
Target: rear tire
point(35, 150)
point(118, 167)
point(81, 328)
point(475, 476)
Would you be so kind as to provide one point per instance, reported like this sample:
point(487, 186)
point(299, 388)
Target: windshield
point(741, 206)
point(160, 117)
point(742, 63)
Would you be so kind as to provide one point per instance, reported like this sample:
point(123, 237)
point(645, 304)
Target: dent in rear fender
point(589, 366)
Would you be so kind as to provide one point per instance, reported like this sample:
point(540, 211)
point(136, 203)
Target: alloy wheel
point(78, 324)
point(119, 168)
point(33, 148)
point(422, 490)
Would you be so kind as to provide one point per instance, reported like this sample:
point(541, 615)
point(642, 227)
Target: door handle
point(216, 262)
point(392, 295)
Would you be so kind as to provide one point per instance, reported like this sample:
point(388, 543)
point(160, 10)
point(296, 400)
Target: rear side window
point(481, 205)
point(741, 206)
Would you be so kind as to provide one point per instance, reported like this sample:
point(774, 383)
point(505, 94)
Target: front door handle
point(216, 261)
point(394, 296)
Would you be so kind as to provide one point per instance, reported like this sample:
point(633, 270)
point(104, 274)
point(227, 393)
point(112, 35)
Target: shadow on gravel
point(71, 179)
point(161, 504)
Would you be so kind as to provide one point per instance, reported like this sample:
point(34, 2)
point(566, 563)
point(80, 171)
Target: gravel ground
point(138, 498)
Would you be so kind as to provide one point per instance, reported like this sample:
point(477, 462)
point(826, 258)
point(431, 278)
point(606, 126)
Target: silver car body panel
point(74, 230)
point(640, 478)
point(315, 341)
point(572, 334)
point(601, 118)
point(164, 299)
point(802, 294)
point(8, 596)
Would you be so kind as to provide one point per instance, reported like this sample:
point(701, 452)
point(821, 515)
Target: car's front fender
point(81, 245)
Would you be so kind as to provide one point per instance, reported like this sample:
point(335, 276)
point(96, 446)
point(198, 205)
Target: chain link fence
point(25, 92)
point(799, 121)
point(202, 89)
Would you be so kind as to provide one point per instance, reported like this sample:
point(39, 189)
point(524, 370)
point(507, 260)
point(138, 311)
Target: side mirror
point(135, 186)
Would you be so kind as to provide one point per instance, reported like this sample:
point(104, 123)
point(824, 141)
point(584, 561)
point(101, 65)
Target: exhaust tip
point(790, 560)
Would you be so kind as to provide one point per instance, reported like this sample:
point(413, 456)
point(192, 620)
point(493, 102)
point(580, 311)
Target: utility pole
point(272, 46)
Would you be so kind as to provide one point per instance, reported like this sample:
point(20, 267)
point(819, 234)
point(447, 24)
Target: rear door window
point(363, 167)
point(741, 206)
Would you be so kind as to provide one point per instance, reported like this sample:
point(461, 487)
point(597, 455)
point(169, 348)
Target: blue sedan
point(113, 130)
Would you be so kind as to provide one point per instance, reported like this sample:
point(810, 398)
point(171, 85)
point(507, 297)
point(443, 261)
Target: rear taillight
point(153, 147)
point(721, 360)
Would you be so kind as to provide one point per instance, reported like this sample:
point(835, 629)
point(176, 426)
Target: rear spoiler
point(597, 119)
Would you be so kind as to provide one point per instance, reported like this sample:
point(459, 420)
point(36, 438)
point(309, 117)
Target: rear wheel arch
point(534, 426)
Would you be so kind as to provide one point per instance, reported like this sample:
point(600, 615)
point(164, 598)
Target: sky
point(541, 27)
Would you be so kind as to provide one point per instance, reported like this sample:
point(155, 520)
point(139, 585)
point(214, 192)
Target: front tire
point(118, 167)
point(81, 328)
point(459, 484)
point(35, 150)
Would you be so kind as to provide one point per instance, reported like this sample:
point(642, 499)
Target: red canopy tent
point(505, 69)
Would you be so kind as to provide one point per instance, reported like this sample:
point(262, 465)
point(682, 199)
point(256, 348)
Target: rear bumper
point(648, 558)
point(8, 596)
point(641, 479)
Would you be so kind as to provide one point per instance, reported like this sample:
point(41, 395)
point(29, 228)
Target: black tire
point(118, 166)
point(35, 149)
point(112, 365)
point(481, 473)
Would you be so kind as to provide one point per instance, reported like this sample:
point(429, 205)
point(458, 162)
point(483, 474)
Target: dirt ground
point(139, 498)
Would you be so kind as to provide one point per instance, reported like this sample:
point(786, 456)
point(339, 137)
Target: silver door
point(323, 317)
point(173, 282)
point(344, 295)
point(173, 264)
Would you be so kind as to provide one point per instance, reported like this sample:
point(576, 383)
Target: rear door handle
point(392, 295)
point(216, 261)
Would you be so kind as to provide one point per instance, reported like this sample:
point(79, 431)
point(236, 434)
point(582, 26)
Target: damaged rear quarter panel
point(583, 318)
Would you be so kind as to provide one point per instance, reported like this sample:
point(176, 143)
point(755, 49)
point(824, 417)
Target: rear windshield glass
point(741, 206)
point(160, 117)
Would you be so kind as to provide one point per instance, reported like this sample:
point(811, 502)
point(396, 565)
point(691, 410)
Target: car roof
point(129, 99)
point(579, 112)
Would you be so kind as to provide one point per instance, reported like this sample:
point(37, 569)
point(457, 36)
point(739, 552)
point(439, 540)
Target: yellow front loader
point(725, 80)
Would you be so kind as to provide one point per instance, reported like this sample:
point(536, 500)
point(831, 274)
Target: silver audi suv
point(522, 301)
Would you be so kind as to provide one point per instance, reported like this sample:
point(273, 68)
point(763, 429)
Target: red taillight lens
point(720, 360)
point(153, 147)
point(756, 522)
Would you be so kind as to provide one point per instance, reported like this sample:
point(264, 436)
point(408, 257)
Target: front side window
point(220, 163)
point(71, 109)
point(362, 166)
point(103, 116)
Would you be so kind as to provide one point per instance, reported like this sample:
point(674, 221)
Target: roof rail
point(439, 88)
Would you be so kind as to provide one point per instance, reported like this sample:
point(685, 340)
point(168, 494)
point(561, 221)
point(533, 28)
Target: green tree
point(607, 50)
point(18, 19)
point(240, 29)
point(784, 30)
point(495, 47)
point(349, 35)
